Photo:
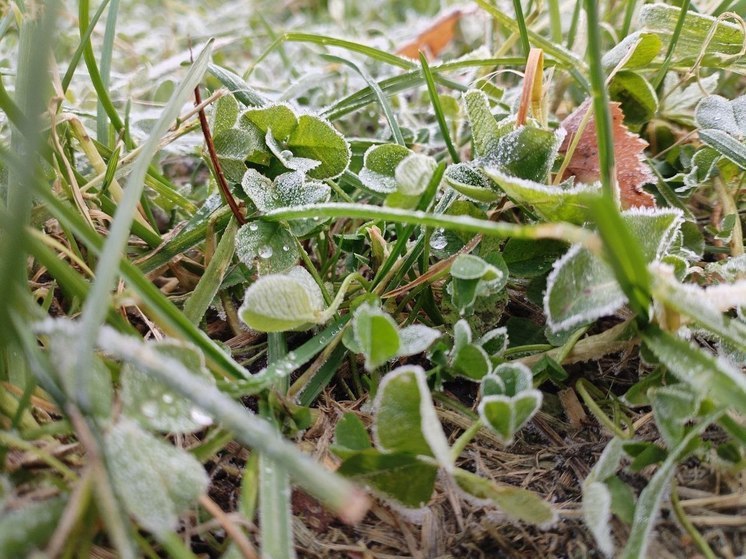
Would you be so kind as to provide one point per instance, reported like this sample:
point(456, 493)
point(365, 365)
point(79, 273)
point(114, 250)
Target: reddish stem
point(222, 183)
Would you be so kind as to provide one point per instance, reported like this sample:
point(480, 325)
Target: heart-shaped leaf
point(30, 527)
point(156, 407)
point(637, 97)
point(280, 302)
point(279, 117)
point(467, 180)
point(526, 153)
point(268, 245)
point(315, 138)
point(582, 287)
point(552, 203)
point(637, 50)
point(673, 407)
point(514, 378)
point(235, 146)
point(379, 167)
point(286, 157)
point(225, 114)
point(155, 480)
point(405, 419)
point(505, 415)
point(376, 335)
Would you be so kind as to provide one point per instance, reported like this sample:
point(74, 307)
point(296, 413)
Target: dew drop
point(253, 226)
point(265, 252)
point(149, 409)
point(285, 248)
point(200, 417)
point(168, 398)
point(286, 154)
point(438, 240)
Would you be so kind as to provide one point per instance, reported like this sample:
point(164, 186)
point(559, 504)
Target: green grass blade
point(562, 231)
point(564, 56)
point(335, 492)
point(623, 251)
point(93, 71)
point(523, 30)
point(209, 284)
point(658, 79)
point(282, 368)
point(94, 309)
point(102, 126)
point(437, 108)
point(275, 509)
point(383, 101)
point(324, 40)
point(82, 45)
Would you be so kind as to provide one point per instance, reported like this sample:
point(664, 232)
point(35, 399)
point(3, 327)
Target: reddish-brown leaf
point(435, 38)
point(631, 170)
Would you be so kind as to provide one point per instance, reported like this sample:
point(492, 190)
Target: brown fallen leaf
point(631, 170)
point(435, 38)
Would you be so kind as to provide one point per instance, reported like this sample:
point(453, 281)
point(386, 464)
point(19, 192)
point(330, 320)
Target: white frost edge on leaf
point(416, 338)
point(577, 319)
point(494, 333)
point(510, 401)
point(524, 380)
point(597, 515)
point(711, 299)
point(431, 428)
point(669, 234)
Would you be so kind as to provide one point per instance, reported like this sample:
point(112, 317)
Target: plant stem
point(465, 438)
point(219, 176)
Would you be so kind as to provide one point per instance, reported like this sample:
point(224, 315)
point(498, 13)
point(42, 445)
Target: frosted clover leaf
point(582, 287)
point(267, 245)
point(287, 190)
point(472, 277)
point(379, 167)
point(280, 302)
point(156, 407)
point(375, 334)
point(722, 126)
point(155, 480)
point(508, 400)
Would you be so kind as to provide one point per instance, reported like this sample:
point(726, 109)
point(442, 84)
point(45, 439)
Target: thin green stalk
point(82, 45)
point(657, 81)
point(465, 438)
point(598, 413)
point(383, 101)
point(437, 108)
point(335, 492)
point(604, 130)
point(555, 21)
point(95, 306)
point(102, 126)
point(521, 21)
point(629, 11)
point(95, 75)
point(687, 524)
point(209, 284)
point(561, 231)
point(566, 57)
